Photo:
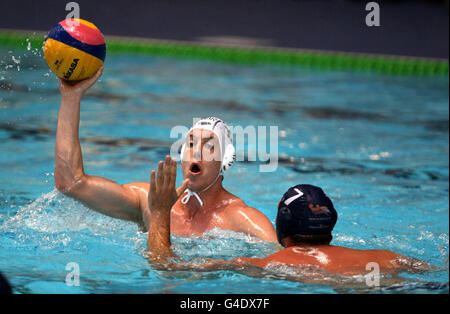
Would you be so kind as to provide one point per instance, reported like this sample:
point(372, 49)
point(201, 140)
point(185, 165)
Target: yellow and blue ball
point(74, 49)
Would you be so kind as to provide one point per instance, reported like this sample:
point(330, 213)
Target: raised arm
point(99, 194)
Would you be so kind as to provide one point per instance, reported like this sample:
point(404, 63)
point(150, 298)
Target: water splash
point(221, 244)
point(53, 219)
point(16, 61)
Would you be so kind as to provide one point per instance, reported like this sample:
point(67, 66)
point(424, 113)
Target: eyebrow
point(204, 139)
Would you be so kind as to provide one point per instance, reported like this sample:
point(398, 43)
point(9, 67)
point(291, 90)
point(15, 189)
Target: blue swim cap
point(306, 210)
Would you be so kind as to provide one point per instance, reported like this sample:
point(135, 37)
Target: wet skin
point(338, 260)
point(130, 201)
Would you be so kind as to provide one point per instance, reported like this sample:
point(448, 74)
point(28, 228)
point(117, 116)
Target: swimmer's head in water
point(305, 216)
point(207, 153)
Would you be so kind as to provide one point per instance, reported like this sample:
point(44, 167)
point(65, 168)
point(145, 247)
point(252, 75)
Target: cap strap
point(188, 195)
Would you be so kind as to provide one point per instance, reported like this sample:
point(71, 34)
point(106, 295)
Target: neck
point(209, 197)
point(307, 245)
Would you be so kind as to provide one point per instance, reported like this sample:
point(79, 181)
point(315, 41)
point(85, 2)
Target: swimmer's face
point(201, 159)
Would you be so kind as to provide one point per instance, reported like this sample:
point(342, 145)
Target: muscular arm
point(99, 194)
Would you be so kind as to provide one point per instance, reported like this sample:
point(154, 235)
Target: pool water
point(377, 145)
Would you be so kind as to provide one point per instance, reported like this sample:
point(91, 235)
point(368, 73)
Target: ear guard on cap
point(182, 152)
point(229, 157)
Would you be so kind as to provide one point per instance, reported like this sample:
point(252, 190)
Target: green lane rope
point(244, 55)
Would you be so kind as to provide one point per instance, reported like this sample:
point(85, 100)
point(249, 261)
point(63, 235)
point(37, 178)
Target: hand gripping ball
point(74, 49)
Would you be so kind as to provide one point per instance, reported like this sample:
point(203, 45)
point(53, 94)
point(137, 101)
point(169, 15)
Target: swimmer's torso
point(228, 212)
point(185, 223)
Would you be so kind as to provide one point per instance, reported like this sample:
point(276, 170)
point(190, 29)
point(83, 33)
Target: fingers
point(100, 71)
point(166, 174)
point(97, 75)
point(152, 183)
point(182, 188)
point(87, 83)
point(78, 88)
point(173, 173)
point(166, 171)
point(160, 174)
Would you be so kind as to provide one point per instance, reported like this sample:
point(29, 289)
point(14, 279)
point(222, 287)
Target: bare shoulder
point(237, 206)
point(249, 220)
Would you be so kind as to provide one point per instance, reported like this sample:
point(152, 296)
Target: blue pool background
point(377, 144)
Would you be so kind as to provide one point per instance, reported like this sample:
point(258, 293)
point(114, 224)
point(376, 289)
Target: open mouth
point(195, 169)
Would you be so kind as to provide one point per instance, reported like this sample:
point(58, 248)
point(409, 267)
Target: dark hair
point(312, 239)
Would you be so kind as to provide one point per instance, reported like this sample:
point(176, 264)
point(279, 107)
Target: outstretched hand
point(163, 193)
point(77, 89)
point(161, 197)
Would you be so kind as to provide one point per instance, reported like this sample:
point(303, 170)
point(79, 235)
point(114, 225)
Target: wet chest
point(184, 225)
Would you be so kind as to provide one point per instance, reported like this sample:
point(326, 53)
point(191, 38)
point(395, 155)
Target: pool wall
point(411, 39)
